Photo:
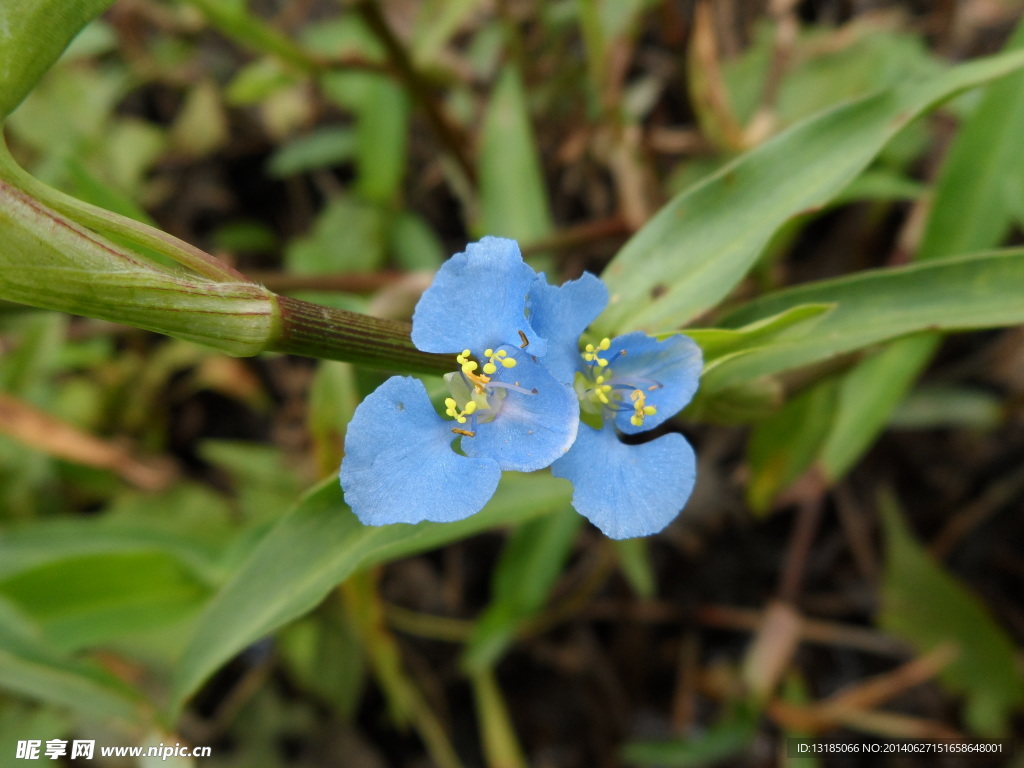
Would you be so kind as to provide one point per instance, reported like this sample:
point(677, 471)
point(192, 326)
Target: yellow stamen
point(451, 409)
point(640, 408)
point(465, 432)
point(494, 358)
point(592, 354)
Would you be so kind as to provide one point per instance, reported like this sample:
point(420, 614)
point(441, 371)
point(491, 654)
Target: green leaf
point(24, 721)
point(699, 246)
point(348, 237)
point(949, 407)
point(86, 600)
point(323, 654)
point(529, 566)
point(436, 22)
point(718, 344)
point(333, 399)
point(317, 546)
point(265, 485)
point(979, 291)
point(867, 395)
point(319, 149)
point(923, 604)
point(381, 136)
point(46, 543)
point(635, 564)
point(233, 19)
point(33, 34)
point(784, 445)
point(513, 196)
point(415, 244)
point(828, 72)
point(972, 209)
point(29, 666)
point(727, 739)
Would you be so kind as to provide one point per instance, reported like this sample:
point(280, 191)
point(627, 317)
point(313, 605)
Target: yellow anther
point(600, 391)
point(592, 354)
point(468, 366)
point(494, 358)
point(451, 409)
point(640, 408)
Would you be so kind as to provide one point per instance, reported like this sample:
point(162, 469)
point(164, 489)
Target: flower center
point(602, 392)
point(477, 393)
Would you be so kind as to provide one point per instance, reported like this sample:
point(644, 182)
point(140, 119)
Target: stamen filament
point(513, 387)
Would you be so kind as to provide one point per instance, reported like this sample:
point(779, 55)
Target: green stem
point(336, 334)
point(54, 257)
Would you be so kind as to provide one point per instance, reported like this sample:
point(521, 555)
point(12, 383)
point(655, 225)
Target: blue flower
point(630, 385)
point(517, 400)
point(509, 411)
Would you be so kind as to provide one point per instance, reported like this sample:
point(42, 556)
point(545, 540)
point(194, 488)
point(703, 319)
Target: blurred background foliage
point(823, 581)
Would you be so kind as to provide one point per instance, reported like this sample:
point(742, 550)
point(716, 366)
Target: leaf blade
point(697, 248)
point(314, 548)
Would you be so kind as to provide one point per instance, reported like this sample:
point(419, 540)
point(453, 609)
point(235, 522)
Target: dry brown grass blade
point(854, 706)
point(774, 645)
point(39, 430)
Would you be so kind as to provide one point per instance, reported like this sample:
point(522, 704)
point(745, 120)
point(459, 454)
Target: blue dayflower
point(516, 402)
point(630, 385)
point(561, 313)
point(509, 411)
point(477, 301)
point(394, 434)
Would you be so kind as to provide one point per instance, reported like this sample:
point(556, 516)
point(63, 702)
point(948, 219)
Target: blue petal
point(675, 363)
point(399, 466)
point(560, 314)
point(628, 490)
point(477, 300)
point(530, 430)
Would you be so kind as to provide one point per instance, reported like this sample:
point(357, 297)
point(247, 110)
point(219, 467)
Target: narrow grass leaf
point(513, 195)
point(700, 245)
point(972, 209)
point(30, 667)
point(923, 604)
point(979, 291)
point(317, 546)
point(33, 34)
point(529, 566)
